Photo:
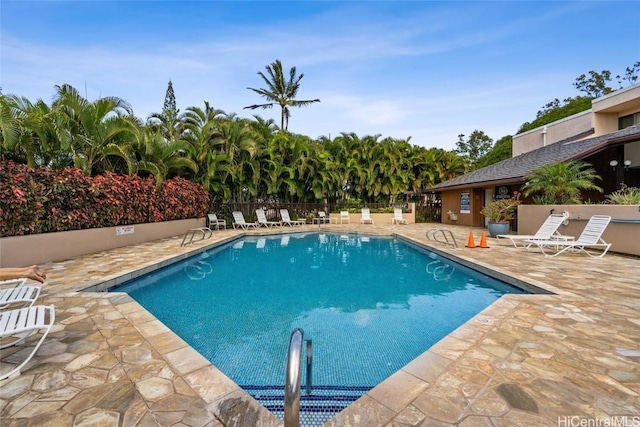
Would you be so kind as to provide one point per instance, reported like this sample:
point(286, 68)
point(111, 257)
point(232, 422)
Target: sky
point(424, 70)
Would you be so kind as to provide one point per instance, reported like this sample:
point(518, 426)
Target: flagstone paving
point(566, 357)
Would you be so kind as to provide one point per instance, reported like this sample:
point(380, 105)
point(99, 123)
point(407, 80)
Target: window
point(630, 120)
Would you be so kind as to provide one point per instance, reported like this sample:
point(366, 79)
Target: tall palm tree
point(280, 91)
point(561, 183)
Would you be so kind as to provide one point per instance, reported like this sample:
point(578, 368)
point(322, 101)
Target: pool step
point(315, 409)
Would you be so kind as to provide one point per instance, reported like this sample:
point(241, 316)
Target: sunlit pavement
point(560, 358)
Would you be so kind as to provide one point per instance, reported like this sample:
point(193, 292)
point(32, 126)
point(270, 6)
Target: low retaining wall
point(378, 218)
point(17, 251)
point(623, 232)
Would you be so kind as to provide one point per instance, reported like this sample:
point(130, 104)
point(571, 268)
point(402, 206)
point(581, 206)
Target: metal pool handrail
point(292, 384)
point(431, 235)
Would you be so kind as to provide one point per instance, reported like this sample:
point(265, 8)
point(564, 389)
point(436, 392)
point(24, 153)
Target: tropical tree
point(98, 130)
point(33, 133)
point(501, 150)
point(168, 121)
point(235, 139)
point(595, 85)
point(474, 148)
point(200, 127)
point(280, 91)
point(161, 158)
point(448, 164)
point(561, 183)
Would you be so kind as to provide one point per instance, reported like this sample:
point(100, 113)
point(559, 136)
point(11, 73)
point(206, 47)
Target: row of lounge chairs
point(262, 221)
point(552, 243)
point(20, 318)
point(239, 221)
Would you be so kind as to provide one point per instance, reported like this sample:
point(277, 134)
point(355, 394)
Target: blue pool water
point(370, 305)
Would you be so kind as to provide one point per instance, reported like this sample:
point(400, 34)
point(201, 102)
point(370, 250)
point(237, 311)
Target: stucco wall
point(556, 131)
point(623, 236)
point(40, 248)
point(378, 218)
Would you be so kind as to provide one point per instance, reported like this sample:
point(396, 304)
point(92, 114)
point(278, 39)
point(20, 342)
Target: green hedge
point(43, 200)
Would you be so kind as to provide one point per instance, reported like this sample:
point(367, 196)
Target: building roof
point(516, 169)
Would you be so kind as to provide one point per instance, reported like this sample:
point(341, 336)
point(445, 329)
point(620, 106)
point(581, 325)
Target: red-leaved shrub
point(44, 200)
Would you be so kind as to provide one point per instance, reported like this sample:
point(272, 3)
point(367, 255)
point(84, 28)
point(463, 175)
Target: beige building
point(607, 136)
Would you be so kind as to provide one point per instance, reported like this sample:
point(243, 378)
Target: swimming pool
point(370, 305)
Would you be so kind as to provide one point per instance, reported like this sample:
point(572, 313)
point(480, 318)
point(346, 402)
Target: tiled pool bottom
point(316, 408)
point(572, 354)
point(366, 322)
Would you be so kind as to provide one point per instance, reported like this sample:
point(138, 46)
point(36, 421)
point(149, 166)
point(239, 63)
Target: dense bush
point(43, 200)
point(625, 196)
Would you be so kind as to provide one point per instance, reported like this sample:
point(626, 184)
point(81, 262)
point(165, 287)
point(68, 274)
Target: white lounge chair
point(397, 217)
point(239, 222)
point(262, 219)
point(366, 216)
point(286, 219)
point(14, 283)
point(547, 231)
point(322, 218)
point(25, 295)
point(591, 237)
point(214, 222)
point(22, 323)
point(344, 216)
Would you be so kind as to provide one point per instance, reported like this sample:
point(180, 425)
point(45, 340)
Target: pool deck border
point(524, 360)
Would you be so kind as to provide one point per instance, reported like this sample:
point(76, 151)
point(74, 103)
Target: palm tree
point(33, 133)
point(161, 158)
point(561, 183)
point(98, 129)
point(200, 128)
point(280, 92)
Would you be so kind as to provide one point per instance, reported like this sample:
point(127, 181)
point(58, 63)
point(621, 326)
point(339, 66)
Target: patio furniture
point(366, 216)
point(548, 230)
point(239, 222)
point(286, 219)
point(214, 222)
point(262, 219)
point(397, 217)
point(344, 216)
point(20, 324)
point(590, 238)
point(322, 218)
point(25, 295)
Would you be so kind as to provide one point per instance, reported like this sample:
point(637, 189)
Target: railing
point(202, 232)
point(433, 235)
point(292, 382)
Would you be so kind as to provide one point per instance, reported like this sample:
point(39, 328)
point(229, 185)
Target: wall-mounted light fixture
point(614, 164)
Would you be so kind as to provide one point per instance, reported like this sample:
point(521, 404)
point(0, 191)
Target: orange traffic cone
point(471, 243)
point(483, 240)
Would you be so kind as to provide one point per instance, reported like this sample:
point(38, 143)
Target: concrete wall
point(19, 251)
point(623, 232)
point(602, 118)
point(556, 131)
point(378, 218)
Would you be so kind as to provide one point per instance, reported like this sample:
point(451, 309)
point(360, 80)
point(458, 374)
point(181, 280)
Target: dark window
point(630, 120)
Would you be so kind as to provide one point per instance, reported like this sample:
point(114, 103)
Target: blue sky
point(425, 69)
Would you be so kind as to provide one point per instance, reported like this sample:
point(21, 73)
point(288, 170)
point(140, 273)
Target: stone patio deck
point(527, 360)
